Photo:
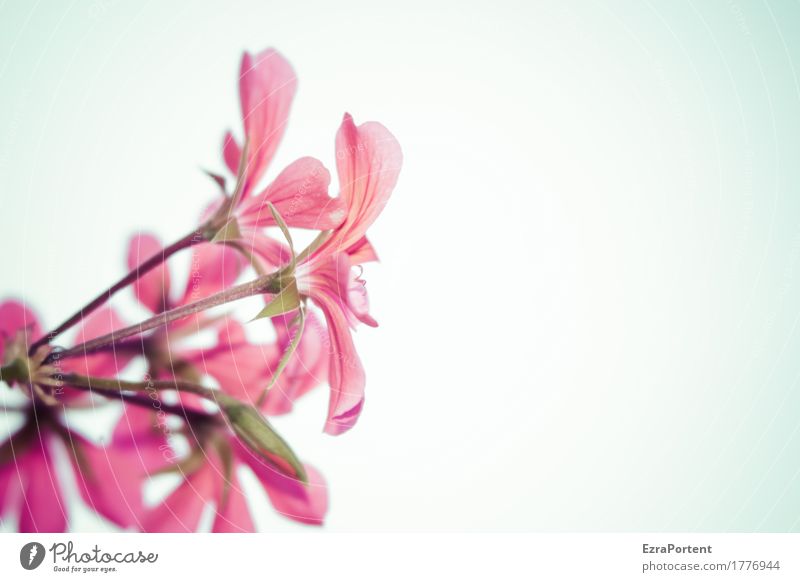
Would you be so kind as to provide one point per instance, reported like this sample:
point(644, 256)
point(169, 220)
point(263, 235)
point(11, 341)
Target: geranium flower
point(368, 161)
point(29, 483)
point(210, 477)
point(267, 85)
point(242, 368)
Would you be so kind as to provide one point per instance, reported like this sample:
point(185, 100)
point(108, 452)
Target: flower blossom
point(29, 482)
point(267, 85)
point(368, 161)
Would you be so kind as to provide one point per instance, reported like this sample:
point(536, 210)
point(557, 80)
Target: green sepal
point(315, 244)
point(287, 300)
point(295, 341)
point(229, 232)
point(284, 229)
point(16, 371)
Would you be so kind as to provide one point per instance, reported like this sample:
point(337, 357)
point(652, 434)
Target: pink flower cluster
point(201, 410)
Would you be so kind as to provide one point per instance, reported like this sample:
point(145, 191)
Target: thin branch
point(144, 401)
point(191, 239)
point(266, 284)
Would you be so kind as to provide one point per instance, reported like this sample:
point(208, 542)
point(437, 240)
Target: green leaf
point(287, 300)
point(257, 433)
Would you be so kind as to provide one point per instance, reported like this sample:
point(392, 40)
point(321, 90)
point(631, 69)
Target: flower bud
point(255, 431)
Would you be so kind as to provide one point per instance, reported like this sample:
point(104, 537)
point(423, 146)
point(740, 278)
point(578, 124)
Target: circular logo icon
point(31, 555)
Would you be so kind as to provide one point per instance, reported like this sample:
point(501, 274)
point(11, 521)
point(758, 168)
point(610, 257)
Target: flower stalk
point(268, 284)
point(191, 239)
point(246, 422)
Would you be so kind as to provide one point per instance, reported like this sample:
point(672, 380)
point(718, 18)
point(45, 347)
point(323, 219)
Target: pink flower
point(29, 482)
point(368, 161)
point(112, 479)
point(212, 269)
point(306, 369)
point(17, 322)
point(267, 86)
point(242, 368)
point(19, 327)
point(215, 481)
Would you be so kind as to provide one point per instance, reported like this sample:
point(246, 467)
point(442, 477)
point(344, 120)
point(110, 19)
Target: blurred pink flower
point(242, 368)
point(113, 476)
point(29, 482)
point(215, 481)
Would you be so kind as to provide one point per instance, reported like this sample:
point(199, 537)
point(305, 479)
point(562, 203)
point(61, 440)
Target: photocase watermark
point(58, 389)
point(166, 449)
point(196, 274)
point(31, 555)
point(67, 559)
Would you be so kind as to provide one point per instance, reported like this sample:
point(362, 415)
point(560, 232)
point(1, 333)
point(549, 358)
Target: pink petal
point(8, 481)
point(346, 375)
point(357, 299)
point(307, 368)
point(231, 152)
point(242, 369)
point(214, 267)
point(273, 253)
point(113, 481)
point(362, 252)
point(152, 290)
point(112, 478)
point(327, 283)
point(290, 497)
point(233, 515)
point(368, 160)
point(43, 507)
point(181, 510)
point(300, 195)
point(139, 426)
point(103, 364)
point(16, 317)
point(267, 84)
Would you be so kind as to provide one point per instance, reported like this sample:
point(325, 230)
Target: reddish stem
point(113, 388)
point(191, 239)
point(265, 284)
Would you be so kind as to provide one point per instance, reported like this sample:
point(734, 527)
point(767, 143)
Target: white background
point(586, 320)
